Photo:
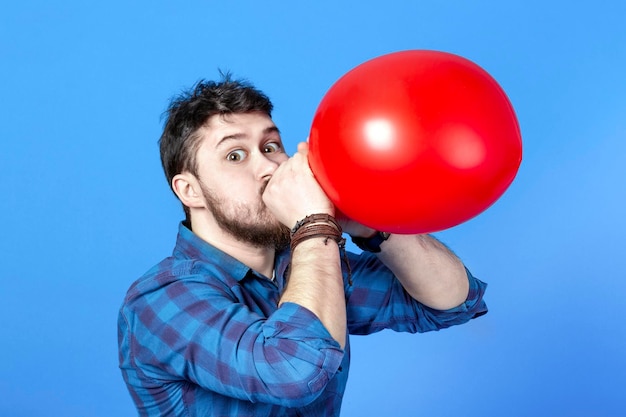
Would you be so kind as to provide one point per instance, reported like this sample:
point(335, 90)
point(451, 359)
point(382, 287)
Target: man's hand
point(293, 192)
point(352, 227)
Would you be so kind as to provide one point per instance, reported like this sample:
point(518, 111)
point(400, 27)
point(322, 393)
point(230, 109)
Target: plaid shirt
point(200, 334)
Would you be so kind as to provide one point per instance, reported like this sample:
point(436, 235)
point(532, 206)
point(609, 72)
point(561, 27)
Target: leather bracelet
point(371, 244)
point(321, 225)
point(309, 231)
point(316, 218)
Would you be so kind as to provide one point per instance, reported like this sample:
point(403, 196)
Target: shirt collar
point(189, 245)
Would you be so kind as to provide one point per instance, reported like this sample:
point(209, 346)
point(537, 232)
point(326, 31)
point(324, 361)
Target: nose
point(268, 163)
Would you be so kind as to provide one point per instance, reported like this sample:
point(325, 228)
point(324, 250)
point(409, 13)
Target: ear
point(187, 189)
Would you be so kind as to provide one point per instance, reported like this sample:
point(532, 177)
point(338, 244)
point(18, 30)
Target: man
point(251, 313)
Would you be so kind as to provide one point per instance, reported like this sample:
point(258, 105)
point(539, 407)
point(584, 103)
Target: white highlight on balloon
point(379, 134)
point(462, 148)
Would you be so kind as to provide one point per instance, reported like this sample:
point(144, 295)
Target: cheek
point(242, 192)
point(281, 157)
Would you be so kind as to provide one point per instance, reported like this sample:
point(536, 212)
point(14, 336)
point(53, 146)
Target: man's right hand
point(293, 192)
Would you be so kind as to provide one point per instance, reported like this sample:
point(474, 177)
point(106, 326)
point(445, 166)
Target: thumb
point(303, 148)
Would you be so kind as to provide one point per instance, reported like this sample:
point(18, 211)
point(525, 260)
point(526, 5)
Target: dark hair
point(191, 109)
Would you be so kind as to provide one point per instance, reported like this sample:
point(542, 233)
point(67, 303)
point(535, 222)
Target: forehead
point(220, 128)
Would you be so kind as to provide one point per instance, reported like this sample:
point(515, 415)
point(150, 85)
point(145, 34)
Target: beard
point(254, 225)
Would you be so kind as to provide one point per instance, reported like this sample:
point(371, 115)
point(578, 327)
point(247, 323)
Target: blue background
point(85, 209)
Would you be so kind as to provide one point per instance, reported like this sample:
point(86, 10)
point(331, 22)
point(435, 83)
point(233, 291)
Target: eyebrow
point(239, 136)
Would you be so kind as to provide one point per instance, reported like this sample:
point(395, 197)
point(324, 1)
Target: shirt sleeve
point(197, 332)
point(376, 300)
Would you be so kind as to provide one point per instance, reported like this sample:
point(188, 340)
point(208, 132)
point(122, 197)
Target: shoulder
point(171, 277)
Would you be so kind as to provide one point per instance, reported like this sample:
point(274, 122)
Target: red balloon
point(415, 141)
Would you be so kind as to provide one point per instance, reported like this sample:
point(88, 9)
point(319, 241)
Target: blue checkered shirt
point(200, 334)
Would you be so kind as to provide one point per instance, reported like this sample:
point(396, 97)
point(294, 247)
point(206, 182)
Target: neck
point(260, 259)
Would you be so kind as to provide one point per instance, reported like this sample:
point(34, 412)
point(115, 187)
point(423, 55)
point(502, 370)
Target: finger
point(303, 148)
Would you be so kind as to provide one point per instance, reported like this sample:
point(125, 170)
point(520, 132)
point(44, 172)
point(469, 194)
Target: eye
point(272, 147)
point(236, 156)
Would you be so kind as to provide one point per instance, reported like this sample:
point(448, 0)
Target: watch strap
point(371, 244)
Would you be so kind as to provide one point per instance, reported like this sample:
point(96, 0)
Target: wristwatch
point(371, 244)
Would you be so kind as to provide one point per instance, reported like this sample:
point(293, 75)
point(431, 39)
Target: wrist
point(316, 218)
point(320, 225)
